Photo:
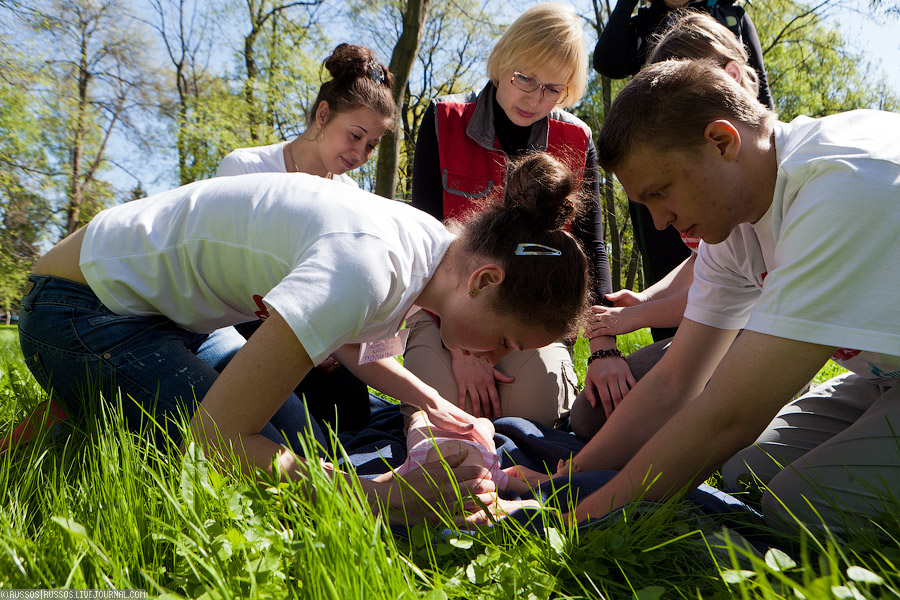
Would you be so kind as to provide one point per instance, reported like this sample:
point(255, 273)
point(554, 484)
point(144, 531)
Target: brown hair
point(358, 80)
point(546, 36)
point(694, 34)
point(538, 289)
point(668, 106)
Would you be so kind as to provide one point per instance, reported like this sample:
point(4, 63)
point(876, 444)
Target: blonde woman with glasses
point(537, 68)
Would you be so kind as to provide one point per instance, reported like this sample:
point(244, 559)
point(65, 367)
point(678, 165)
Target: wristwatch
point(604, 354)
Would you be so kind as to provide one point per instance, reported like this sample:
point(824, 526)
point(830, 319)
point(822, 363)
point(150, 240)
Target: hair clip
point(532, 249)
point(375, 72)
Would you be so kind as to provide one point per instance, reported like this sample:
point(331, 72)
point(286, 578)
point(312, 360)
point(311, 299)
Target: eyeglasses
point(527, 84)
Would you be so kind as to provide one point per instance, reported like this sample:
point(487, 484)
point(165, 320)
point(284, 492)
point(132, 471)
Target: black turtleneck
point(513, 138)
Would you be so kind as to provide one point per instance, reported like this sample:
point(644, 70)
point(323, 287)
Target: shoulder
point(454, 105)
point(257, 159)
point(346, 180)
point(571, 124)
point(854, 134)
point(470, 97)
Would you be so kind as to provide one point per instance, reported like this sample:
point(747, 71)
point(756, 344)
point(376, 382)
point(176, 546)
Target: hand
point(529, 476)
point(426, 491)
point(477, 378)
point(446, 415)
point(607, 381)
point(610, 320)
point(329, 365)
point(567, 467)
point(518, 485)
point(498, 509)
point(626, 298)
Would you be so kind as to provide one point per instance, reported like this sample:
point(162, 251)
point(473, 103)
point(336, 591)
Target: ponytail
point(546, 281)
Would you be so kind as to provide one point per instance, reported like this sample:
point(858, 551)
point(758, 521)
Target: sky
point(879, 41)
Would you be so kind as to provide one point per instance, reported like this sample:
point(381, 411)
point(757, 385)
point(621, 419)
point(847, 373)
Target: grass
point(100, 508)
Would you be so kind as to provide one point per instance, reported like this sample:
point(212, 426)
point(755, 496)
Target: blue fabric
point(77, 347)
point(520, 441)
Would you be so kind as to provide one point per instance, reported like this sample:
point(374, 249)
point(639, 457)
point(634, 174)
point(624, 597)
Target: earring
point(472, 293)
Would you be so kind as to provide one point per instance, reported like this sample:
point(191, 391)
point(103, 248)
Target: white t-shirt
point(822, 265)
point(338, 263)
point(263, 159)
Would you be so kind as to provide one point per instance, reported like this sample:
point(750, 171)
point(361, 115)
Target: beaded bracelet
point(604, 354)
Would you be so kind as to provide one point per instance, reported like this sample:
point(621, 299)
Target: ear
point(734, 70)
point(485, 276)
point(322, 113)
point(726, 138)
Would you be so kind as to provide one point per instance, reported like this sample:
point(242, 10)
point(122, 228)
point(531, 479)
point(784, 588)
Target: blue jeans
point(85, 354)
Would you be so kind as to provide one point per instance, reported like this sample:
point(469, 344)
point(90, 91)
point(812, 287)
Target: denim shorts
point(85, 354)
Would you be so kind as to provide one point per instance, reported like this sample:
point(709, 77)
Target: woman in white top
point(128, 302)
point(350, 114)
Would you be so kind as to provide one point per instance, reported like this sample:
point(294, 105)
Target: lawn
point(99, 508)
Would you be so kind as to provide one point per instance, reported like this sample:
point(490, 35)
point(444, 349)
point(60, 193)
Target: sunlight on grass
point(101, 508)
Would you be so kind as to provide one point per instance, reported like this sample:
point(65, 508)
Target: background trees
point(102, 99)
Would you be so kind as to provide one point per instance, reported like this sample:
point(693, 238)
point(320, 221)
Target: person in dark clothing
point(621, 51)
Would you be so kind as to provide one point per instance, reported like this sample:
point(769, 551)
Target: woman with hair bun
point(351, 112)
point(536, 69)
point(131, 304)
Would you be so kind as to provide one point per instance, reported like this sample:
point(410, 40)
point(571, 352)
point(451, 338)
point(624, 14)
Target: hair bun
point(542, 187)
point(349, 61)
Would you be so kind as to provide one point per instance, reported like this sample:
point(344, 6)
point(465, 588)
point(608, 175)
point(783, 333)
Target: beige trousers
point(545, 381)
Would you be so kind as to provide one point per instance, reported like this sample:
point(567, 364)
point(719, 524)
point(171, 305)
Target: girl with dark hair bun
point(351, 112)
point(136, 305)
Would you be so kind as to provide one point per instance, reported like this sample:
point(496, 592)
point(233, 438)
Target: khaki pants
point(545, 382)
point(833, 454)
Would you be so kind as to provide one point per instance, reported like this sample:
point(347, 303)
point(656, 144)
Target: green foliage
point(100, 507)
point(812, 70)
point(24, 211)
point(213, 124)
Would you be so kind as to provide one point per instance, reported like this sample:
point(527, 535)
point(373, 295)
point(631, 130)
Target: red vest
point(469, 171)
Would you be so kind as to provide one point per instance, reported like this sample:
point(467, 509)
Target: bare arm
point(390, 377)
point(660, 305)
point(677, 281)
point(256, 383)
point(679, 376)
point(753, 381)
point(247, 394)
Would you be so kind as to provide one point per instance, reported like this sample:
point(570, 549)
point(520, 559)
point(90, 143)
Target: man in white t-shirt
point(800, 249)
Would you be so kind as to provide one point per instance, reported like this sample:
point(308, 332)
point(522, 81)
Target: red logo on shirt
point(844, 354)
point(692, 242)
point(263, 312)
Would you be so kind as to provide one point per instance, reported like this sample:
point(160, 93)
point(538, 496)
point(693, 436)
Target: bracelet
point(604, 354)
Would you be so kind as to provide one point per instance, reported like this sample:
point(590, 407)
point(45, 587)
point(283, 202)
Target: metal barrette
point(375, 72)
point(532, 249)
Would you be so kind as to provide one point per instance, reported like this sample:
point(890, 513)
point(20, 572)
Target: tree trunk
point(633, 272)
point(402, 60)
point(609, 202)
point(250, 83)
point(76, 188)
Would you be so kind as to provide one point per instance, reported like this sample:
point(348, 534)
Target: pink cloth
point(423, 437)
